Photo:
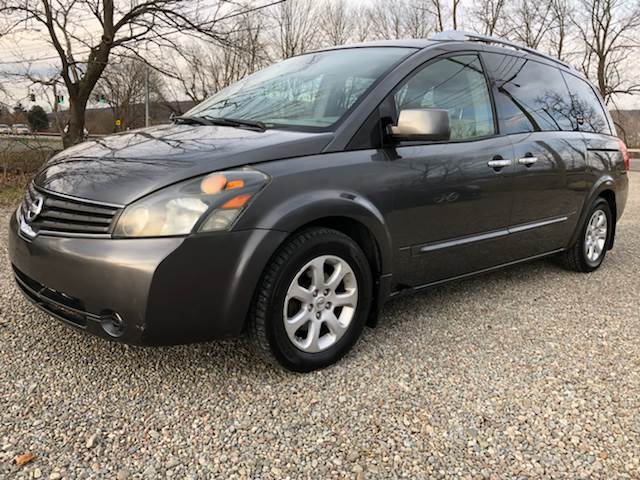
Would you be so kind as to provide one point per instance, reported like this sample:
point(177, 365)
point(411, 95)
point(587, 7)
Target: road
point(18, 143)
point(531, 372)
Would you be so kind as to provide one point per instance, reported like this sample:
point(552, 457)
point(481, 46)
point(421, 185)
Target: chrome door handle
point(527, 161)
point(499, 163)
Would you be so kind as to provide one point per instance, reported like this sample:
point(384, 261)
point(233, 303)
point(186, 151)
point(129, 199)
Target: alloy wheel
point(595, 237)
point(320, 303)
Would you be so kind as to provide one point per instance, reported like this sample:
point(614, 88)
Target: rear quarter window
point(587, 113)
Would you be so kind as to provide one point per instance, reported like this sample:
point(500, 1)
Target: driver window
point(458, 85)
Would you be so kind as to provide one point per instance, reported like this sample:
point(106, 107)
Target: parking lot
point(528, 372)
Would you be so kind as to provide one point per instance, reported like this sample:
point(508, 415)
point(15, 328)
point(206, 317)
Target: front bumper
point(145, 291)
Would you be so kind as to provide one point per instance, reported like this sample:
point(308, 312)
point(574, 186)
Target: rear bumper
point(622, 193)
point(161, 290)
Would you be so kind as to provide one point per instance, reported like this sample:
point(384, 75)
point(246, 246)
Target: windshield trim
point(334, 126)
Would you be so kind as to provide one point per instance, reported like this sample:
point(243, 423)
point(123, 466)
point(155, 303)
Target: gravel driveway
point(528, 372)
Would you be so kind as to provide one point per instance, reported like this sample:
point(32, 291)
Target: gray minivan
point(291, 205)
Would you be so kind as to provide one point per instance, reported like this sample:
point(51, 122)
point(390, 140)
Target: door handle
point(499, 163)
point(527, 161)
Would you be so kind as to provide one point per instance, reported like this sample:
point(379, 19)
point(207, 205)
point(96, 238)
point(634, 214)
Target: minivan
point(291, 205)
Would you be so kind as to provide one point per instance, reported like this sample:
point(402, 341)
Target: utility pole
point(146, 97)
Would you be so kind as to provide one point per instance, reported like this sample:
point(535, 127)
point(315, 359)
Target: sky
point(34, 46)
point(30, 50)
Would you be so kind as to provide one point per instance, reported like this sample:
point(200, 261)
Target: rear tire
point(590, 248)
point(312, 302)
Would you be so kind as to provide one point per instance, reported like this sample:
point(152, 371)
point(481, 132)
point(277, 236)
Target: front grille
point(46, 212)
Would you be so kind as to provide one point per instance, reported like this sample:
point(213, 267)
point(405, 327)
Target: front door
point(452, 199)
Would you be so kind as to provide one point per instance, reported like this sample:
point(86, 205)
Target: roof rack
point(463, 36)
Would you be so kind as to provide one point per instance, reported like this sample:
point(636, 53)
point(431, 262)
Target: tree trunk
point(602, 81)
point(79, 92)
point(454, 14)
point(75, 132)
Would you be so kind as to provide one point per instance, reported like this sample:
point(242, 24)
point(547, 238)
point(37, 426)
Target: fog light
point(113, 324)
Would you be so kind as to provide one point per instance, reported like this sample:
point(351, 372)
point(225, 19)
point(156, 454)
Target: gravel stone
point(91, 441)
point(530, 372)
point(123, 474)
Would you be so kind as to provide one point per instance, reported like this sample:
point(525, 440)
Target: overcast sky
point(34, 46)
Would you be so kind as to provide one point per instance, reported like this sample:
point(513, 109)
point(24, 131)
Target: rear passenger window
point(456, 84)
point(587, 114)
point(531, 96)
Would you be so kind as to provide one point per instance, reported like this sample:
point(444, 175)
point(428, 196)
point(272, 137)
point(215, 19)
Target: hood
point(121, 168)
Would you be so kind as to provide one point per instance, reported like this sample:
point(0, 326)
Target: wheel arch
point(610, 196)
point(604, 189)
point(350, 214)
point(358, 232)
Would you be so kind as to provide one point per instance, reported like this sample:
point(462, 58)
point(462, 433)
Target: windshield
point(311, 91)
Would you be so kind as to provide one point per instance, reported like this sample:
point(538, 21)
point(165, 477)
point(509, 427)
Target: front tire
point(590, 249)
point(313, 300)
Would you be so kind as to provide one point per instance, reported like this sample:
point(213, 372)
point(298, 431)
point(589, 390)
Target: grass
point(12, 190)
point(19, 160)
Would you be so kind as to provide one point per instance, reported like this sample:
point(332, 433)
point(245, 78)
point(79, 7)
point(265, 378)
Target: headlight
point(209, 203)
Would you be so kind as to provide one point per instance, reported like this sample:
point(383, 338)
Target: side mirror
point(422, 124)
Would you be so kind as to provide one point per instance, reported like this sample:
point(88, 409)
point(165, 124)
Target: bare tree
point(402, 19)
point(386, 19)
point(439, 13)
point(437, 10)
point(361, 23)
point(198, 70)
point(336, 22)
point(455, 13)
point(609, 32)
point(419, 19)
point(488, 16)
point(123, 88)
point(84, 49)
point(530, 21)
point(296, 27)
point(44, 84)
point(561, 24)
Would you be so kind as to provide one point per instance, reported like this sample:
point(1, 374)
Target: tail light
point(625, 155)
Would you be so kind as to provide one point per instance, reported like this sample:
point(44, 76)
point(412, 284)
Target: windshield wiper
point(237, 123)
point(222, 121)
point(192, 120)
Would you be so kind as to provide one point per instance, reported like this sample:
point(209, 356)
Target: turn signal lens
point(233, 184)
point(237, 202)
